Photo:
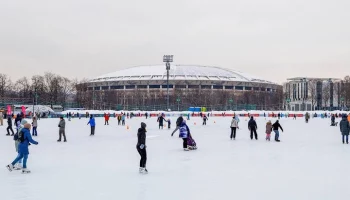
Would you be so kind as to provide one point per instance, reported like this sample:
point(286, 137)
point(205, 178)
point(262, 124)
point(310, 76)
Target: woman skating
point(141, 147)
point(234, 127)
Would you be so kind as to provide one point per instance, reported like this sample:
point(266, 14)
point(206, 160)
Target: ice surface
point(310, 163)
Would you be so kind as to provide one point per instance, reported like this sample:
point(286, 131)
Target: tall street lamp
point(167, 59)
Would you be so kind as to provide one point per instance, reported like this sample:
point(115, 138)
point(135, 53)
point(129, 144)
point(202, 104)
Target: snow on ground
point(309, 163)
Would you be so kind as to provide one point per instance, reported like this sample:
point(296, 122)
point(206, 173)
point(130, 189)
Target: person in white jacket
point(234, 127)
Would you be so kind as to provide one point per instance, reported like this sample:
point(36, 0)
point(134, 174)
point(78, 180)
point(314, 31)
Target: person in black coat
point(141, 147)
point(253, 127)
point(178, 123)
point(275, 128)
point(9, 126)
point(160, 121)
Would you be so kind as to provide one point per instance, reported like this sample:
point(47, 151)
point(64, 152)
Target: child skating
point(268, 130)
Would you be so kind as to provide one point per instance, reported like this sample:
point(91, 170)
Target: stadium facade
point(189, 85)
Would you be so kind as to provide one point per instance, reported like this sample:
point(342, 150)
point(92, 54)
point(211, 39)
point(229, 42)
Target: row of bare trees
point(49, 89)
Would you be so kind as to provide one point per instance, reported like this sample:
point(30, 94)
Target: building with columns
point(307, 94)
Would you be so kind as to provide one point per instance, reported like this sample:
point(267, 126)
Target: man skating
point(92, 125)
point(9, 126)
point(344, 129)
point(62, 130)
point(253, 127)
point(275, 127)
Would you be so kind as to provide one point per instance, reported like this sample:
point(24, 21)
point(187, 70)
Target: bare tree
point(326, 94)
point(312, 87)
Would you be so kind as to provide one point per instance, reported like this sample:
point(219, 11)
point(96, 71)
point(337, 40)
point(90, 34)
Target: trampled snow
point(310, 163)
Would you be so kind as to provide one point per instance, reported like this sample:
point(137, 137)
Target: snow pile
point(40, 109)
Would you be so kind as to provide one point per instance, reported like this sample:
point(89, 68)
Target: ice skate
point(25, 171)
point(145, 171)
point(186, 149)
point(58, 140)
point(140, 170)
point(17, 166)
point(10, 167)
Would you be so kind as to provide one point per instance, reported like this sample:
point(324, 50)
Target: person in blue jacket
point(25, 140)
point(92, 125)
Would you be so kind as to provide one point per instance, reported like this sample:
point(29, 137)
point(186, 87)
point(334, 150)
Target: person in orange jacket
point(106, 119)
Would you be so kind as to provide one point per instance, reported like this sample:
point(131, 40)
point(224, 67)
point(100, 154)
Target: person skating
point(160, 121)
point(1, 118)
point(344, 129)
point(92, 125)
point(18, 166)
point(9, 126)
point(268, 130)
point(141, 147)
point(106, 119)
point(119, 118)
point(169, 123)
point(35, 126)
point(123, 119)
point(184, 131)
point(333, 123)
point(18, 122)
point(253, 127)
point(307, 117)
point(205, 118)
point(62, 130)
point(276, 126)
point(178, 124)
point(234, 127)
point(25, 139)
point(294, 117)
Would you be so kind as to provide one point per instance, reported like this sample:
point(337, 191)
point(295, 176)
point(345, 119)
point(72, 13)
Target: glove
point(142, 146)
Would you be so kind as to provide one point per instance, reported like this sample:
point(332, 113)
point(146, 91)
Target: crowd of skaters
point(23, 137)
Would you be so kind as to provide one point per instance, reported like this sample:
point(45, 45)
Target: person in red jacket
point(106, 119)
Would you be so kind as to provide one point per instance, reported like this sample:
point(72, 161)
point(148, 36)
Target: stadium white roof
point(178, 72)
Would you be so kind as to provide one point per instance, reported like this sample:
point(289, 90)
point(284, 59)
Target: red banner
point(9, 111)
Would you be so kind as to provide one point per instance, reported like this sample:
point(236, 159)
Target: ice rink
point(310, 163)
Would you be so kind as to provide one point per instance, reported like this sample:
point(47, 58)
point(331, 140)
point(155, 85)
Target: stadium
point(145, 88)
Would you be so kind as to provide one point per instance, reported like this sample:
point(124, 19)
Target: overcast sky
point(272, 39)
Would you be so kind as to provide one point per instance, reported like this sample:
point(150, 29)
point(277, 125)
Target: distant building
point(302, 93)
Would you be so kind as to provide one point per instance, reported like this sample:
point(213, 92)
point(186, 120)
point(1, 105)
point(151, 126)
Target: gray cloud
point(273, 39)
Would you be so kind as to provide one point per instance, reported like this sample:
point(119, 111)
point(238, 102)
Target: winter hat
point(143, 125)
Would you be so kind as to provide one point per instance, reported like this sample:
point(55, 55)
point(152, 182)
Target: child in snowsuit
point(169, 124)
point(268, 130)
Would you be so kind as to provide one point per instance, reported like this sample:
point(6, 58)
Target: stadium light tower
point(167, 59)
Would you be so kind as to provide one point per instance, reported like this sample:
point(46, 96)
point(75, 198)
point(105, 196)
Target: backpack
point(19, 136)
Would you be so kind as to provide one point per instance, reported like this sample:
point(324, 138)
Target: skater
point(119, 118)
point(24, 139)
point(18, 122)
point(92, 125)
point(141, 147)
point(1, 118)
point(333, 123)
point(169, 123)
point(184, 131)
point(279, 115)
point(160, 121)
point(9, 126)
point(123, 119)
point(294, 117)
point(253, 127)
point(69, 116)
point(35, 126)
point(234, 127)
point(106, 119)
point(18, 166)
point(146, 114)
point(268, 130)
point(275, 126)
point(205, 118)
point(307, 117)
point(344, 129)
point(62, 130)
point(178, 124)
